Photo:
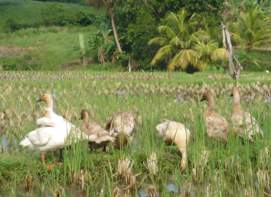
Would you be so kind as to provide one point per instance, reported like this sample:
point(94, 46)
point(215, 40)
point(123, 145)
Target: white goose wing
point(40, 136)
point(52, 121)
point(46, 122)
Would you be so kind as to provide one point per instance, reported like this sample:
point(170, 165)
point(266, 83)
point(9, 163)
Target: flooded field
point(213, 168)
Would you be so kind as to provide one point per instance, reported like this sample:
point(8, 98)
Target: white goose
point(175, 132)
point(52, 133)
point(50, 119)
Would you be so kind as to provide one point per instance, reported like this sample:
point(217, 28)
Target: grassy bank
point(16, 14)
point(44, 35)
point(238, 167)
point(49, 48)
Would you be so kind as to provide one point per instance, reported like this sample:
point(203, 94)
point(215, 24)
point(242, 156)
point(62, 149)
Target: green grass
point(231, 168)
point(45, 35)
point(20, 14)
point(50, 47)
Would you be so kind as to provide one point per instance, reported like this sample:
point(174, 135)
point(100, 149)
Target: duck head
point(161, 128)
point(84, 114)
point(208, 95)
point(236, 94)
point(47, 98)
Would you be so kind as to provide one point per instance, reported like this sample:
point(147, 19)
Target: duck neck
point(47, 112)
point(49, 107)
point(85, 119)
point(211, 103)
point(236, 101)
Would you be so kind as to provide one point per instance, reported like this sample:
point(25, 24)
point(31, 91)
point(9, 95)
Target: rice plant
point(214, 168)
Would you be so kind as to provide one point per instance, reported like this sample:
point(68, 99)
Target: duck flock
point(54, 132)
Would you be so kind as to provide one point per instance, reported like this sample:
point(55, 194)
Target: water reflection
point(173, 188)
point(142, 193)
point(4, 145)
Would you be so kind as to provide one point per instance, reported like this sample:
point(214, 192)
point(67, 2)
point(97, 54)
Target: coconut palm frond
point(162, 53)
point(205, 48)
point(200, 35)
point(183, 43)
point(237, 38)
point(262, 39)
point(167, 31)
point(177, 20)
point(183, 59)
point(201, 65)
point(220, 54)
point(176, 41)
point(158, 41)
point(252, 28)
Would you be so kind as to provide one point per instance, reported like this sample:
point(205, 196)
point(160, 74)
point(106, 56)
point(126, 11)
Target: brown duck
point(97, 136)
point(243, 123)
point(217, 125)
point(122, 126)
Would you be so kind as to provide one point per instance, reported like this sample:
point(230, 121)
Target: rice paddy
point(214, 168)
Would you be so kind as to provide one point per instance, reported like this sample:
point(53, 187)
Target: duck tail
point(25, 142)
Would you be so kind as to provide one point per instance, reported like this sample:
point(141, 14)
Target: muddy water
point(7, 143)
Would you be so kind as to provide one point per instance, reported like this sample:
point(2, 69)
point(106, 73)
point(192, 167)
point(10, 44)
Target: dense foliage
point(183, 44)
point(138, 20)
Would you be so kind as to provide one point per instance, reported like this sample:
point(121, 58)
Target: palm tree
point(109, 6)
point(252, 29)
point(208, 51)
point(181, 44)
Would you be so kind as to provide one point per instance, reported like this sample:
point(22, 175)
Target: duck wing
point(97, 134)
point(251, 124)
point(216, 123)
point(40, 136)
point(123, 122)
point(46, 122)
point(162, 127)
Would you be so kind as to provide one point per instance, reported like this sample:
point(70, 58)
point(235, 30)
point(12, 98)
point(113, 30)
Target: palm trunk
point(129, 65)
point(234, 68)
point(109, 6)
point(116, 37)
